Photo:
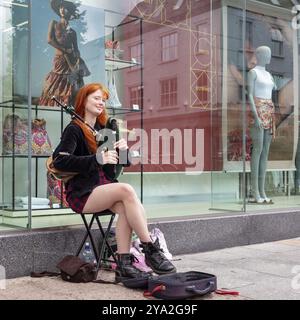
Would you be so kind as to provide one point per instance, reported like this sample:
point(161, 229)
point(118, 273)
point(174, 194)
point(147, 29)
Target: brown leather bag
point(58, 174)
point(73, 269)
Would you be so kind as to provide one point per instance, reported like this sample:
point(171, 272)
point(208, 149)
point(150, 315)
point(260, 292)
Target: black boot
point(155, 258)
point(126, 271)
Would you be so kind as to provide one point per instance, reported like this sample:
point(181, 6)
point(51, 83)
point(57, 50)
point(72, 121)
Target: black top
point(77, 158)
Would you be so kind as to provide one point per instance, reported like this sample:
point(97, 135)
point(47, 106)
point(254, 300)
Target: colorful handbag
point(55, 191)
point(15, 135)
point(41, 144)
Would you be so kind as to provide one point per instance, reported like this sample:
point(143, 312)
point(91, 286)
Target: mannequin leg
point(257, 135)
point(267, 138)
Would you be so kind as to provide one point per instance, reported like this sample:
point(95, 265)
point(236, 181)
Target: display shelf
point(4, 103)
point(25, 156)
point(33, 107)
point(117, 64)
point(36, 212)
point(121, 111)
point(56, 109)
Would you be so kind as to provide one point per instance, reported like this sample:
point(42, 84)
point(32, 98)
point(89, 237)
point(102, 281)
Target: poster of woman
point(68, 49)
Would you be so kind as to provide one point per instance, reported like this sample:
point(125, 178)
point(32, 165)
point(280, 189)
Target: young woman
point(92, 191)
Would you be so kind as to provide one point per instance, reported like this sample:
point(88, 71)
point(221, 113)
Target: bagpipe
point(104, 139)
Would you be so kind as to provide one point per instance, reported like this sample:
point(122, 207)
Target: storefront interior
point(179, 72)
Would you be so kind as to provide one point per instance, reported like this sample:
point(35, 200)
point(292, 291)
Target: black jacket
point(79, 159)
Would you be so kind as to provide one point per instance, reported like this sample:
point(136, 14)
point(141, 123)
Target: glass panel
point(125, 85)
point(227, 118)
point(178, 100)
point(53, 74)
point(93, 38)
point(14, 43)
point(275, 57)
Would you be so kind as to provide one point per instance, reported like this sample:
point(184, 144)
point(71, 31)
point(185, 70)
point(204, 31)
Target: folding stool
point(99, 256)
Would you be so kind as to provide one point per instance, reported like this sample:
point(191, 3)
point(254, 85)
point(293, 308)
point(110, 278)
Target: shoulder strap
point(227, 292)
point(104, 281)
point(44, 274)
point(56, 274)
point(159, 287)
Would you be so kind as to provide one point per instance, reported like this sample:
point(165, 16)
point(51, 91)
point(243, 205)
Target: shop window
point(241, 93)
point(178, 4)
point(202, 88)
point(279, 80)
point(136, 54)
point(277, 43)
point(248, 44)
point(246, 49)
point(169, 47)
point(203, 41)
point(168, 92)
point(135, 96)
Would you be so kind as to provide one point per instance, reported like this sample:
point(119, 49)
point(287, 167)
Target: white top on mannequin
point(263, 84)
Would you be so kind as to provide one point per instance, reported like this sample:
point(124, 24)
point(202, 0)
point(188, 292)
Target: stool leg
point(88, 234)
point(105, 242)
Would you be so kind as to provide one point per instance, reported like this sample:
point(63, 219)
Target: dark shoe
point(155, 258)
point(128, 274)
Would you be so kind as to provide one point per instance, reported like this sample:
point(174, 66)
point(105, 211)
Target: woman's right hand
point(107, 157)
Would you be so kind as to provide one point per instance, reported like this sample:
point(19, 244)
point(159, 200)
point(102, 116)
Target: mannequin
point(262, 124)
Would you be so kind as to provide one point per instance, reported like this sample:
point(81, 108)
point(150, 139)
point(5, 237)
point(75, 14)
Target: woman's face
point(95, 103)
point(64, 13)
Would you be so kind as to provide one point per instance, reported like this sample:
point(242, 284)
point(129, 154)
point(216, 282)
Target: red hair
point(80, 102)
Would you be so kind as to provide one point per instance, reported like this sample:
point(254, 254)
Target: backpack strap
point(44, 274)
point(160, 287)
point(56, 274)
point(104, 281)
point(225, 292)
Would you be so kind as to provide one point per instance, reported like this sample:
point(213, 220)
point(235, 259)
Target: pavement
point(267, 271)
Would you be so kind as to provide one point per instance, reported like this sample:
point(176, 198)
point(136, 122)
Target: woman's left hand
point(121, 144)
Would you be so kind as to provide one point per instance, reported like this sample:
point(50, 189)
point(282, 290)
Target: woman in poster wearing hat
point(66, 76)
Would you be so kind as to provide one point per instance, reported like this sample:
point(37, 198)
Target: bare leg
point(122, 198)
point(106, 196)
point(123, 229)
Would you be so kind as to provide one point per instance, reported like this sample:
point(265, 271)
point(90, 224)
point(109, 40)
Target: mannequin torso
point(263, 84)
